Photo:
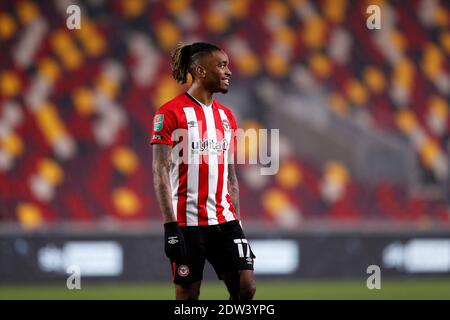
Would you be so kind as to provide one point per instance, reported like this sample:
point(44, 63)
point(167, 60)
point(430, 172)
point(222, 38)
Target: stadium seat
point(76, 105)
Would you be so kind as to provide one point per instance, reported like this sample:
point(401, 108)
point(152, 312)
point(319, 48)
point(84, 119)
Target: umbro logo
point(173, 240)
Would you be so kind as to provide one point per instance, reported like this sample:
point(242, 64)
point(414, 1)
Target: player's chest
point(206, 130)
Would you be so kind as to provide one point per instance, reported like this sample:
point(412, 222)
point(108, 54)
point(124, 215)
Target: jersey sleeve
point(164, 123)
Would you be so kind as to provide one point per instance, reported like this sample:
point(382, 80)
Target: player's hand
point(174, 245)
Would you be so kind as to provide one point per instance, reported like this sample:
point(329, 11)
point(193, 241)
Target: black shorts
point(223, 245)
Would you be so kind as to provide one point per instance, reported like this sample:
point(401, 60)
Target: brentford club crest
point(226, 125)
point(183, 270)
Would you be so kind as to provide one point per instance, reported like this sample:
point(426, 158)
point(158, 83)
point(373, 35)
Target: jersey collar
point(195, 100)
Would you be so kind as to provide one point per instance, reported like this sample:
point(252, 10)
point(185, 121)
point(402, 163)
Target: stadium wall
point(106, 257)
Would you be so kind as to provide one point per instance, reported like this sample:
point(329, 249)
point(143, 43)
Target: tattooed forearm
point(161, 181)
point(233, 188)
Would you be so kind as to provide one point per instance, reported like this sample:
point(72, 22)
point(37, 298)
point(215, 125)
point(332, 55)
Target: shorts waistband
point(220, 227)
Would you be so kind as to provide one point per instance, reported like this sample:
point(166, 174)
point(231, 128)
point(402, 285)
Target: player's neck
point(201, 94)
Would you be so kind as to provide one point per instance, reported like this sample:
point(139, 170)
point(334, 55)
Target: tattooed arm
point(233, 188)
point(161, 181)
point(174, 244)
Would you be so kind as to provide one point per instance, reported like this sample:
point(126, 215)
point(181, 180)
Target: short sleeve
point(164, 123)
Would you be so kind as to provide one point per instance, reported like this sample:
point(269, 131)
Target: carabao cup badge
point(158, 122)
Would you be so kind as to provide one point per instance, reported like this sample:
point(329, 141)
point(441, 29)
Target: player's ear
point(200, 71)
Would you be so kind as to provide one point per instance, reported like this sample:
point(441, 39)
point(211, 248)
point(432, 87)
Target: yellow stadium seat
point(276, 65)
point(217, 21)
point(429, 152)
point(125, 160)
point(249, 145)
point(314, 33)
point(356, 92)
point(126, 201)
point(87, 30)
point(29, 216)
point(66, 50)
point(12, 144)
point(27, 11)
point(286, 36)
point(61, 41)
point(189, 78)
point(247, 64)
point(274, 201)
point(320, 65)
point(442, 17)
point(398, 40)
point(334, 10)
point(168, 34)
point(95, 46)
point(438, 106)
point(167, 88)
point(338, 104)
point(7, 26)
point(404, 74)
point(107, 86)
point(290, 175)
point(177, 7)
point(251, 124)
point(92, 40)
point(374, 79)
point(432, 61)
point(72, 60)
point(50, 171)
point(49, 68)
point(10, 84)
point(444, 38)
point(336, 172)
point(83, 101)
point(278, 8)
point(406, 121)
point(49, 122)
point(380, 3)
point(133, 8)
point(239, 8)
point(297, 3)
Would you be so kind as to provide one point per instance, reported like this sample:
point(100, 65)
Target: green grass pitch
point(436, 289)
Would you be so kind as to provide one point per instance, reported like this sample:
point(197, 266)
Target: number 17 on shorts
point(244, 250)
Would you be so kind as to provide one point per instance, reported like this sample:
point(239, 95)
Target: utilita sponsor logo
point(210, 144)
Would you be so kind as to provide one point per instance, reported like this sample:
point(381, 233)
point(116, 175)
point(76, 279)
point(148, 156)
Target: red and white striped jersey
point(200, 182)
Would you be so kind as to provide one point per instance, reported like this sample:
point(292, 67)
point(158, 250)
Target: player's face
point(217, 75)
